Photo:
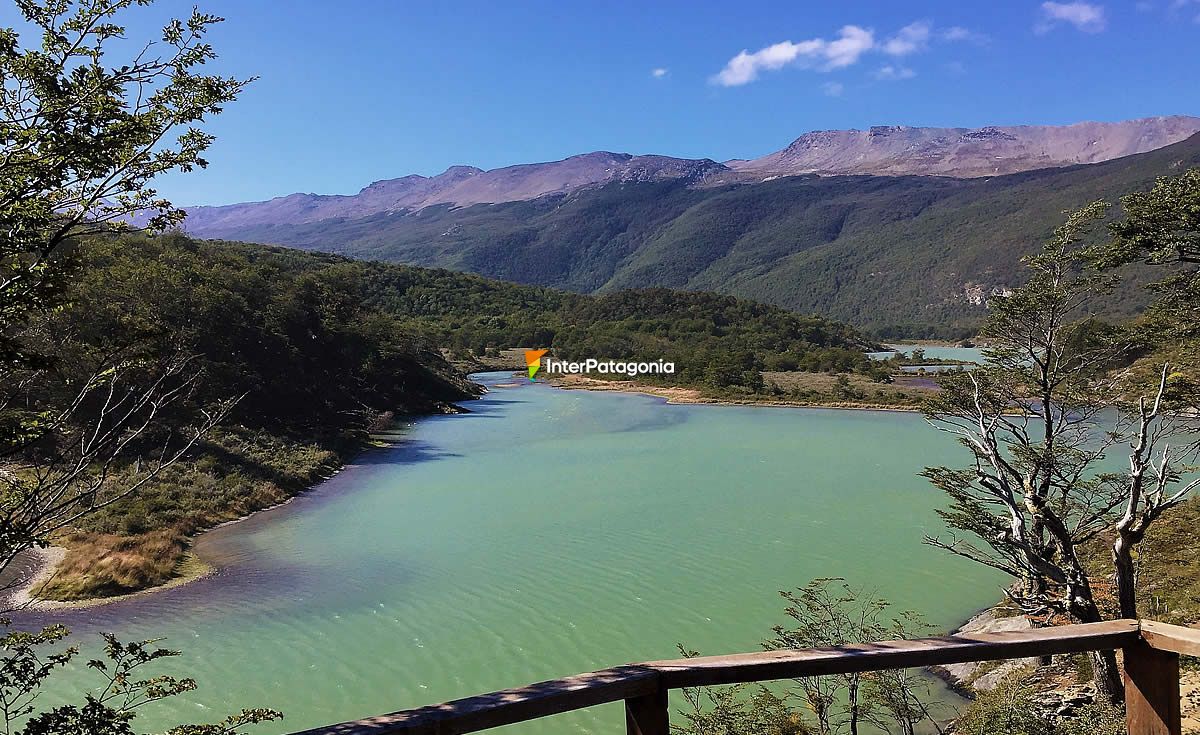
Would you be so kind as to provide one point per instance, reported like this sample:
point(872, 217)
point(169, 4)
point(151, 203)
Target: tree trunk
point(1126, 576)
point(853, 701)
point(820, 710)
point(1107, 677)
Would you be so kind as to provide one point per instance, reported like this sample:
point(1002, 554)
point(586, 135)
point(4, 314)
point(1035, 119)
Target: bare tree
point(902, 699)
point(824, 613)
point(81, 141)
point(1039, 420)
point(829, 613)
point(59, 467)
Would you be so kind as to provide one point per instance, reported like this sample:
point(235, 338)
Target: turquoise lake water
point(546, 533)
point(934, 352)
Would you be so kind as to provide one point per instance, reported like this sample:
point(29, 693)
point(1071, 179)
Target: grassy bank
point(145, 541)
point(815, 390)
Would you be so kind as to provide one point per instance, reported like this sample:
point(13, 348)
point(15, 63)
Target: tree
point(81, 140)
point(1161, 227)
point(828, 613)
point(823, 613)
point(59, 460)
point(738, 710)
point(1038, 422)
point(844, 389)
point(109, 709)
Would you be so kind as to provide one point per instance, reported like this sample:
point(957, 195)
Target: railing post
point(1151, 691)
point(648, 714)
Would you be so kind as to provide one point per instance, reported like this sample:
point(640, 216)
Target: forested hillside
point(320, 350)
point(899, 255)
point(312, 368)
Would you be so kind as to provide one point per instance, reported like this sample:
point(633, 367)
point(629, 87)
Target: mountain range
point(898, 150)
point(882, 150)
point(903, 254)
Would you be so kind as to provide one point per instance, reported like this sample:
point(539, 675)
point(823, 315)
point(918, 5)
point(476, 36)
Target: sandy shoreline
point(35, 568)
point(680, 395)
point(39, 566)
point(25, 599)
point(42, 564)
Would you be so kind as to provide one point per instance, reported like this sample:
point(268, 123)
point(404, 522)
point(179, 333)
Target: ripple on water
point(546, 533)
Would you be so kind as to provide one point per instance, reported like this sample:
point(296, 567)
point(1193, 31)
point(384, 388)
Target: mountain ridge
point(457, 185)
point(901, 255)
point(894, 150)
point(897, 150)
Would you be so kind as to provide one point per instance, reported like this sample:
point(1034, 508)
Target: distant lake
point(546, 533)
point(932, 352)
point(934, 368)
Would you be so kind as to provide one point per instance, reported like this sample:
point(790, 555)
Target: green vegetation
point(1161, 228)
point(359, 340)
point(1037, 504)
point(82, 141)
point(900, 256)
point(849, 389)
point(822, 613)
point(1168, 566)
point(315, 370)
point(1015, 706)
point(718, 342)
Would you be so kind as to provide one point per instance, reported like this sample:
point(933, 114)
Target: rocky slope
point(967, 152)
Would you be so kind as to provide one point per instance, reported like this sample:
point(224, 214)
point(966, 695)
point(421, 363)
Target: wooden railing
point(1151, 657)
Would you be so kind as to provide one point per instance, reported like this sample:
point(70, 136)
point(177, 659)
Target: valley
point(769, 370)
point(899, 256)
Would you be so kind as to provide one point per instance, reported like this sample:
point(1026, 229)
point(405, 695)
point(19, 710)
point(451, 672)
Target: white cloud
point(851, 43)
point(1085, 17)
point(833, 89)
point(958, 33)
point(890, 72)
point(1184, 5)
point(909, 39)
point(660, 72)
point(854, 42)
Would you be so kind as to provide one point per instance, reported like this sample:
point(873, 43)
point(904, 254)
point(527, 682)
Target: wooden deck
point(1151, 653)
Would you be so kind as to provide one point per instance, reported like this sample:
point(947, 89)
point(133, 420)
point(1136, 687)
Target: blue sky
point(360, 90)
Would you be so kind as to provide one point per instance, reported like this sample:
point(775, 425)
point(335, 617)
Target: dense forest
point(320, 350)
point(908, 256)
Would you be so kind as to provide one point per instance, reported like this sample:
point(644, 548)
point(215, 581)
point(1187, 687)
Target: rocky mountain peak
point(968, 152)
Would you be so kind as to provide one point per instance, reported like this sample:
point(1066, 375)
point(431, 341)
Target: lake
point(545, 533)
point(933, 352)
